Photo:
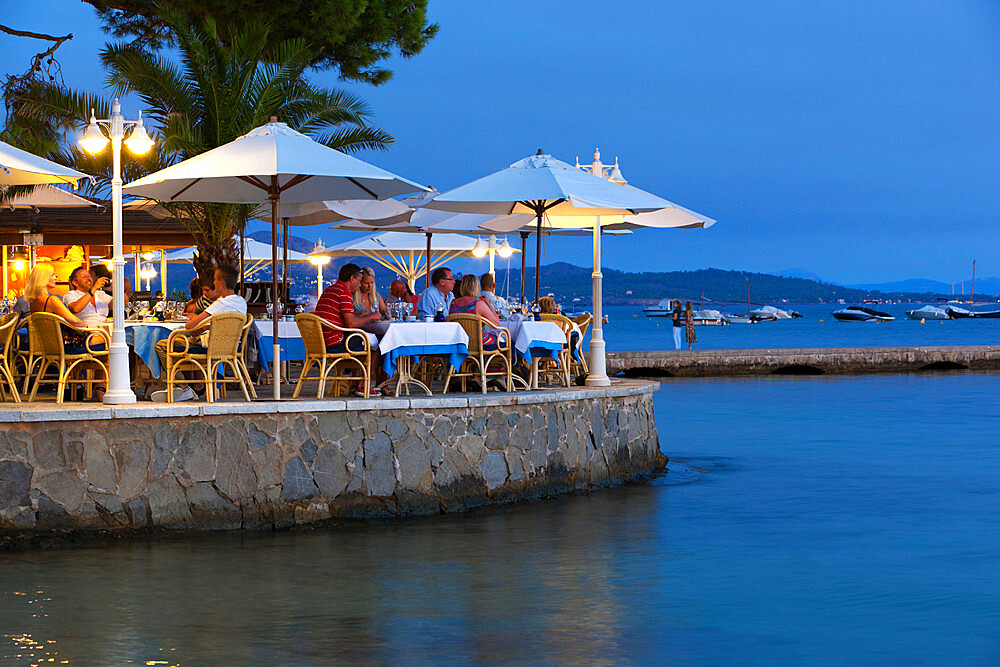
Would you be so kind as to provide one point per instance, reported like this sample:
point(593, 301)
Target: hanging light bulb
point(480, 249)
point(93, 140)
point(19, 260)
point(147, 272)
point(138, 141)
point(505, 250)
point(148, 255)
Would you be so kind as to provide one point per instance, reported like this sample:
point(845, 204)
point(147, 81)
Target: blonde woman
point(42, 279)
point(689, 324)
point(366, 298)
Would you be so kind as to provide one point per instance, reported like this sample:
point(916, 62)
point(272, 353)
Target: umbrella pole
point(284, 259)
point(598, 376)
point(427, 260)
point(524, 251)
point(538, 254)
point(275, 195)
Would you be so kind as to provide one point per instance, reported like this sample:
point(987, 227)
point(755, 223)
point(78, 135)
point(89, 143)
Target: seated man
point(336, 305)
point(488, 285)
point(225, 301)
point(400, 291)
point(437, 297)
point(86, 297)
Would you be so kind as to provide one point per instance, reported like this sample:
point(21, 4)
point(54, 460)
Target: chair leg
point(306, 365)
point(235, 365)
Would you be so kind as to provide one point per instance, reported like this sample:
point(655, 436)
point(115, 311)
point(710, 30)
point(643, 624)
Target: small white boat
point(769, 313)
point(661, 309)
point(928, 313)
point(709, 317)
point(739, 319)
point(862, 314)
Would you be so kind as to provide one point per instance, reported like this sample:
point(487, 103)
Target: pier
point(803, 361)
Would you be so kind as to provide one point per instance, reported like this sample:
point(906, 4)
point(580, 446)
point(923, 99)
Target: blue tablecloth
point(539, 348)
point(455, 354)
point(292, 349)
point(143, 339)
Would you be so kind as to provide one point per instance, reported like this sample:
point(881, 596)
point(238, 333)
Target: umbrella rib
point(184, 189)
point(370, 193)
point(295, 181)
point(256, 182)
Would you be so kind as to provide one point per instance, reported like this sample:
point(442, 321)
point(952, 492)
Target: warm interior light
point(93, 140)
point(505, 250)
point(18, 265)
point(139, 142)
point(147, 272)
point(147, 255)
point(480, 250)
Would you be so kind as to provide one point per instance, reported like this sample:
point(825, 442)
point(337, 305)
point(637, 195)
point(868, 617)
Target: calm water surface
point(802, 520)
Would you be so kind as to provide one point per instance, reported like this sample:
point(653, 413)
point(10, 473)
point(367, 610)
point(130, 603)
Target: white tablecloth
point(531, 337)
point(420, 338)
point(143, 337)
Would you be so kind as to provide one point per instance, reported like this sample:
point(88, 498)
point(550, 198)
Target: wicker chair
point(224, 335)
point(329, 363)
point(241, 359)
point(558, 368)
point(46, 329)
point(476, 365)
point(8, 329)
point(578, 366)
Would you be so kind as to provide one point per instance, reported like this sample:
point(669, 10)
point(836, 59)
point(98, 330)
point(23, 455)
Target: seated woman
point(470, 302)
point(548, 305)
point(366, 298)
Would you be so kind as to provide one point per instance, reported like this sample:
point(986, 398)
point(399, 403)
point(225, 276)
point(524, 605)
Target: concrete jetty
point(803, 361)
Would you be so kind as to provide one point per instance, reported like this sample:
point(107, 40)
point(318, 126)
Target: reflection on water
point(801, 520)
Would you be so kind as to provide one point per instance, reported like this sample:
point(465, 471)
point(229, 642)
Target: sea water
point(801, 520)
point(629, 329)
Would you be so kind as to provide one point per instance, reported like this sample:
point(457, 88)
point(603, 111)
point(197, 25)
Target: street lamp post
point(319, 261)
point(94, 141)
point(492, 249)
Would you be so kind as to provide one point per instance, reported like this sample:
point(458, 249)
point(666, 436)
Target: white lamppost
point(93, 141)
point(147, 273)
point(319, 261)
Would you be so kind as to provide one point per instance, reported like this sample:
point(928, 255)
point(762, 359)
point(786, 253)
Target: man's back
point(331, 307)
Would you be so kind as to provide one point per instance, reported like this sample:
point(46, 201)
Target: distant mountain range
point(983, 286)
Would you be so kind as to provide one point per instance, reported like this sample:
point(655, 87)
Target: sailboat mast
point(972, 290)
point(747, 278)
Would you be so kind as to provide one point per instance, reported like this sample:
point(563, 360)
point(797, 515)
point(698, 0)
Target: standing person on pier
point(677, 319)
point(689, 323)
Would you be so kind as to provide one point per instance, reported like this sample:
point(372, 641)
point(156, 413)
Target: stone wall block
point(195, 457)
point(234, 475)
point(52, 515)
point(494, 470)
point(307, 451)
point(414, 459)
point(515, 465)
point(333, 426)
point(396, 428)
point(350, 444)
point(330, 471)
point(49, 451)
point(312, 511)
point(139, 511)
point(18, 518)
point(267, 463)
point(259, 437)
point(356, 468)
point(15, 484)
point(65, 488)
point(98, 462)
point(209, 511)
point(166, 441)
point(380, 472)
point(168, 506)
point(14, 446)
point(297, 483)
point(132, 465)
point(111, 507)
point(473, 448)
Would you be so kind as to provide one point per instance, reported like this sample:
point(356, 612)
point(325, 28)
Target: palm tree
point(215, 94)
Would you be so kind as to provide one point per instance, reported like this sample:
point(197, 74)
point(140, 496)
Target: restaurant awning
point(90, 226)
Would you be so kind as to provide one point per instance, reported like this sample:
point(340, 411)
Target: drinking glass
point(270, 310)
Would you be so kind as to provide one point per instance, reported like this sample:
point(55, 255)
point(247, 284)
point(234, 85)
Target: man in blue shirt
point(439, 295)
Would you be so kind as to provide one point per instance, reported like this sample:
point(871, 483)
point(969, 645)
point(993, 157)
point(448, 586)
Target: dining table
point(405, 343)
point(142, 336)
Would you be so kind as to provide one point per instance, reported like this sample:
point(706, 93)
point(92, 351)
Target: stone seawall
point(803, 361)
point(245, 466)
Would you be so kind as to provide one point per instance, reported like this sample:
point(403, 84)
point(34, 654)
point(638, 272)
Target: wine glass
point(270, 310)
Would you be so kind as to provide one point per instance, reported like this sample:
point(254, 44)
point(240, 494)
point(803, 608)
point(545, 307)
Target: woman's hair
point(469, 285)
point(38, 281)
point(547, 304)
point(688, 307)
point(487, 282)
point(358, 294)
point(195, 288)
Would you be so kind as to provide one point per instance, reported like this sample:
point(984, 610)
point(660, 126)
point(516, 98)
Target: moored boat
point(661, 309)
point(862, 314)
point(928, 313)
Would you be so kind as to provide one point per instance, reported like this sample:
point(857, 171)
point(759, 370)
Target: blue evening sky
point(857, 139)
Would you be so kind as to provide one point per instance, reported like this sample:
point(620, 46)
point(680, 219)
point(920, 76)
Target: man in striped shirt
point(336, 305)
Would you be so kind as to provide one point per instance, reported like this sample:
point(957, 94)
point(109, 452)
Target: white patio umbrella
point(48, 196)
point(19, 167)
point(544, 186)
point(271, 163)
point(404, 252)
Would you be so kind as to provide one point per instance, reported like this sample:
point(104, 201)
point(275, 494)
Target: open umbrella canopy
point(245, 171)
point(540, 183)
point(405, 253)
point(19, 167)
point(48, 196)
point(326, 212)
point(253, 251)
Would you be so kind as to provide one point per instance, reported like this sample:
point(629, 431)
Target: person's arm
point(423, 303)
point(75, 305)
point(352, 321)
point(483, 310)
